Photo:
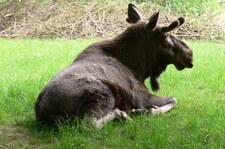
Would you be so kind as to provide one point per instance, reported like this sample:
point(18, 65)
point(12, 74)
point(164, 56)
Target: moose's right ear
point(133, 14)
point(152, 21)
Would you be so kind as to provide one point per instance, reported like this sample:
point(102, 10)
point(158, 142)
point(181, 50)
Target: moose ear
point(133, 14)
point(173, 25)
point(152, 21)
point(181, 20)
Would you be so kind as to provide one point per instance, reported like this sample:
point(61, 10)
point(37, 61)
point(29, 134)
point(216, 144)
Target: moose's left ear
point(152, 21)
point(133, 14)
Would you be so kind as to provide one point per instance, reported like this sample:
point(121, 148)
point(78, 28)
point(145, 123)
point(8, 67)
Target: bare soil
point(17, 137)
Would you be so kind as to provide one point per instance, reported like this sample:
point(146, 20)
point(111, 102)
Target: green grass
point(197, 122)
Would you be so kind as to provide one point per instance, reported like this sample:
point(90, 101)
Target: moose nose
point(190, 65)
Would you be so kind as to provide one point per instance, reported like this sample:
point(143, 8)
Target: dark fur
point(111, 74)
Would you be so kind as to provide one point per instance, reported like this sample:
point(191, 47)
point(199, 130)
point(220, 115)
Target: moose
point(106, 80)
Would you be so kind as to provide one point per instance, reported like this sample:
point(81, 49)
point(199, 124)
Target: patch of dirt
point(16, 137)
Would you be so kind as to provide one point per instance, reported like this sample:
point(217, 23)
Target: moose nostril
point(190, 65)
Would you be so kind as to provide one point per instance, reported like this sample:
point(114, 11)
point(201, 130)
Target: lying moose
point(107, 79)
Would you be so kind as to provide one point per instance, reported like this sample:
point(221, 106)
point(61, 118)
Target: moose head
point(166, 48)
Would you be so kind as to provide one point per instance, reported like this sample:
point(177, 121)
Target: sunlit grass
point(197, 122)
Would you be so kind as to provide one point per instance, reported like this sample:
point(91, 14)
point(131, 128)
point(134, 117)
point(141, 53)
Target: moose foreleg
point(155, 105)
point(153, 110)
point(162, 109)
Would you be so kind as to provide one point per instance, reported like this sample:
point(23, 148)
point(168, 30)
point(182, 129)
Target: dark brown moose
point(107, 79)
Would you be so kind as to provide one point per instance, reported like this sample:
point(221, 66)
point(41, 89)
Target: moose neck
point(131, 52)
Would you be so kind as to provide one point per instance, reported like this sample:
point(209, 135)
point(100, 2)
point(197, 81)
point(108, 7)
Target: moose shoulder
point(107, 79)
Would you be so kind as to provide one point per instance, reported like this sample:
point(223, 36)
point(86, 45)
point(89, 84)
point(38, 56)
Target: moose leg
point(99, 108)
point(163, 109)
point(116, 113)
point(155, 105)
point(161, 105)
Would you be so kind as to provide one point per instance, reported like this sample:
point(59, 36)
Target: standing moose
point(107, 79)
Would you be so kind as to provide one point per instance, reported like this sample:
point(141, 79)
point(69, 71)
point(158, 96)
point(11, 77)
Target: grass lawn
point(197, 122)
